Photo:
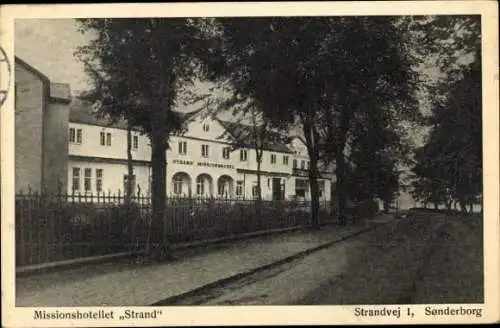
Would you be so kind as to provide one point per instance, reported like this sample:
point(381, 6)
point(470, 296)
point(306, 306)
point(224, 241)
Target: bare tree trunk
point(341, 190)
point(259, 189)
point(312, 137)
point(259, 176)
point(463, 205)
point(130, 168)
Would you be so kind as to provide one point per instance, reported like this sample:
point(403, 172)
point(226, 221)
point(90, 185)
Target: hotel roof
point(84, 112)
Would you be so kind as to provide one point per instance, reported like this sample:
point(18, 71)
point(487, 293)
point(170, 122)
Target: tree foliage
point(318, 72)
point(449, 166)
point(138, 68)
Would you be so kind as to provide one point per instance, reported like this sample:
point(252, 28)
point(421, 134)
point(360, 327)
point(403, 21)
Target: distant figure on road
point(350, 210)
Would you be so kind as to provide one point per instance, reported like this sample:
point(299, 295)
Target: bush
point(367, 209)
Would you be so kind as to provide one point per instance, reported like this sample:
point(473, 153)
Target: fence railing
point(61, 227)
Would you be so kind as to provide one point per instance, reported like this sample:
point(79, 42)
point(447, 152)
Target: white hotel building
point(200, 162)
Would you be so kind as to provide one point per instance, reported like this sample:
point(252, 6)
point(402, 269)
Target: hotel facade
point(62, 145)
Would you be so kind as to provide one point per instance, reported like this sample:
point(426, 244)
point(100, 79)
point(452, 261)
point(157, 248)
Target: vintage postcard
point(250, 163)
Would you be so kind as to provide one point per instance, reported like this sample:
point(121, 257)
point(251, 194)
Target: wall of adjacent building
point(55, 148)
point(29, 102)
point(112, 176)
point(91, 143)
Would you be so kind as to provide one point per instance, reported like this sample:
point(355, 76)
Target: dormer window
point(206, 127)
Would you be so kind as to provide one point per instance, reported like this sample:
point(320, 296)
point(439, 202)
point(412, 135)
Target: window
point(72, 137)
point(135, 142)
point(302, 165)
point(75, 135)
point(103, 139)
point(182, 147)
point(239, 188)
point(243, 155)
point(321, 186)
point(125, 185)
point(285, 160)
point(200, 186)
point(206, 127)
point(204, 150)
point(98, 180)
point(76, 179)
point(300, 187)
point(273, 158)
point(255, 189)
point(307, 165)
point(294, 163)
point(178, 185)
point(79, 136)
point(226, 151)
point(221, 188)
point(108, 139)
point(87, 179)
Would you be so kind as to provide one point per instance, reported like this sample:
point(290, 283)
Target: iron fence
point(68, 226)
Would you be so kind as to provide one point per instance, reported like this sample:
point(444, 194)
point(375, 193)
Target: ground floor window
point(75, 186)
point(178, 185)
point(200, 186)
point(239, 188)
point(321, 187)
point(221, 188)
point(301, 187)
point(98, 180)
point(125, 184)
point(87, 179)
point(255, 190)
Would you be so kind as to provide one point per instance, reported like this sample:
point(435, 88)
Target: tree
point(454, 145)
point(254, 136)
point(374, 81)
point(309, 70)
point(138, 67)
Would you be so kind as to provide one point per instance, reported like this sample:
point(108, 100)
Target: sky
point(48, 45)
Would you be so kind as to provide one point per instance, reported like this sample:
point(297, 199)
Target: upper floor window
point(302, 165)
point(105, 139)
point(307, 165)
point(75, 135)
point(206, 127)
point(243, 155)
point(182, 147)
point(273, 158)
point(204, 150)
point(285, 160)
point(135, 142)
point(294, 163)
point(226, 151)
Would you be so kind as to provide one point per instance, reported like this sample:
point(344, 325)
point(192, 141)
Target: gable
point(298, 146)
point(206, 128)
